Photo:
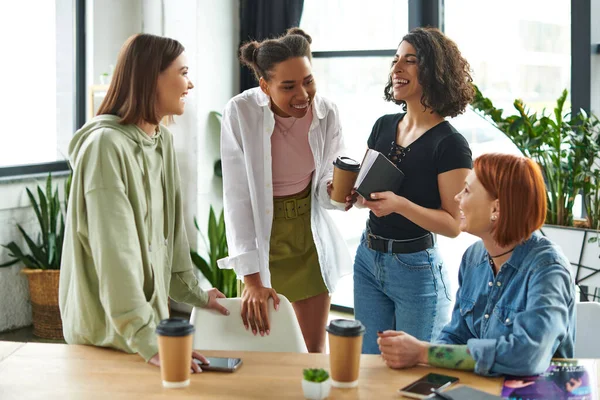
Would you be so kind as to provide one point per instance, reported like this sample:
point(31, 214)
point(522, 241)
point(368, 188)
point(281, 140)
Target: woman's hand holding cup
point(350, 200)
point(340, 190)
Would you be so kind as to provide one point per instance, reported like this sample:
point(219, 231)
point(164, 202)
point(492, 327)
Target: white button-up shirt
point(246, 130)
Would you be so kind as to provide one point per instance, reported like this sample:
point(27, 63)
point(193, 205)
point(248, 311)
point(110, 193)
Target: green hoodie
point(121, 262)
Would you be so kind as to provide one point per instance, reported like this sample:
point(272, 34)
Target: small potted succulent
point(316, 384)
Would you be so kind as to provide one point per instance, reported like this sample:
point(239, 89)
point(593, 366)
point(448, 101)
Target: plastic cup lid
point(346, 327)
point(175, 327)
point(347, 163)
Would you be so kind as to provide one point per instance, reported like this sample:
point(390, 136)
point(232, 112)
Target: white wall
point(218, 76)
point(209, 31)
point(113, 22)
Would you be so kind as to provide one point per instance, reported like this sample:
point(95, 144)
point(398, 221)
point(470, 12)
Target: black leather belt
point(380, 244)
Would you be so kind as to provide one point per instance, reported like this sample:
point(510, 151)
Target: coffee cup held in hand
point(175, 337)
point(345, 345)
point(345, 172)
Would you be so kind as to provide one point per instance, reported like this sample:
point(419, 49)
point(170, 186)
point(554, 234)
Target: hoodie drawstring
point(149, 222)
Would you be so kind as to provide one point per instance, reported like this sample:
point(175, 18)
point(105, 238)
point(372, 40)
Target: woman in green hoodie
point(126, 250)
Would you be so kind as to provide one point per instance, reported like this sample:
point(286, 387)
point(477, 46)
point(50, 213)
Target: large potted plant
point(223, 279)
point(42, 258)
point(566, 145)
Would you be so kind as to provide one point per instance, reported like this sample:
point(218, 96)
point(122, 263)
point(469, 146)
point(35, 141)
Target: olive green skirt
point(293, 259)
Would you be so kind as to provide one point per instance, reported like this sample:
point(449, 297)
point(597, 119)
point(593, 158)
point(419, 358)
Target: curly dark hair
point(444, 74)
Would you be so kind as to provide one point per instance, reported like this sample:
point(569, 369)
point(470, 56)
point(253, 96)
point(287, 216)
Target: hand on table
point(195, 368)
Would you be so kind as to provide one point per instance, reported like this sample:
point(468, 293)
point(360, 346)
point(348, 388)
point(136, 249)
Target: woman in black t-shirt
point(400, 282)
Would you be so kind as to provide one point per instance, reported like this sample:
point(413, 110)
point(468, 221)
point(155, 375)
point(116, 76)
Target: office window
point(37, 80)
point(338, 25)
point(517, 49)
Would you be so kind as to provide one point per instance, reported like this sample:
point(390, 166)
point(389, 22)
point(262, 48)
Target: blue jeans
point(403, 292)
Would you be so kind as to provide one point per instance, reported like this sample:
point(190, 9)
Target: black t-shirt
point(440, 149)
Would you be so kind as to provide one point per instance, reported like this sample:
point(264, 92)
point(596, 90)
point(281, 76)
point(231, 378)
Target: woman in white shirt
point(278, 144)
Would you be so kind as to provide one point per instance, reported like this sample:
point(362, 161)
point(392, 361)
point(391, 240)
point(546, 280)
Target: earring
point(494, 217)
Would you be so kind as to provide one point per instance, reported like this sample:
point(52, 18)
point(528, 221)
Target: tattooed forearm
point(450, 356)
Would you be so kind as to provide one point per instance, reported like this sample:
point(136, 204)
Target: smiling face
point(478, 210)
point(405, 74)
point(172, 88)
point(291, 87)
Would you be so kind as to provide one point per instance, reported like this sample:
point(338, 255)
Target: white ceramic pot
point(316, 391)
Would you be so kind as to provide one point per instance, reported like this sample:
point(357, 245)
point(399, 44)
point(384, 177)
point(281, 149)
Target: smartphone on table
point(422, 387)
point(220, 364)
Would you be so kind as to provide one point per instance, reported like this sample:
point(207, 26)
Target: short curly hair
point(444, 74)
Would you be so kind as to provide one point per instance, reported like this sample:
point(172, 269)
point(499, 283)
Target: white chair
point(587, 344)
point(215, 331)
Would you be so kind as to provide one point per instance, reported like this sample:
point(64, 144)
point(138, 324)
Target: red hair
point(518, 184)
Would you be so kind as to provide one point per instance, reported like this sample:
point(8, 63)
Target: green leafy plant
point(46, 251)
point(592, 203)
point(564, 145)
point(316, 375)
point(223, 279)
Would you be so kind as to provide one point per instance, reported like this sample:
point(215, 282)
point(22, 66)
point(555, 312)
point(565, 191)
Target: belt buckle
point(291, 212)
point(369, 237)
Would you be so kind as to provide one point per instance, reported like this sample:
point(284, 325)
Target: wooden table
point(58, 371)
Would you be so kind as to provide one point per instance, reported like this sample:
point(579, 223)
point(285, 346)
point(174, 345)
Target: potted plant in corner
point(316, 383)
point(566, 146)
point(223, 279)
point(42, 262)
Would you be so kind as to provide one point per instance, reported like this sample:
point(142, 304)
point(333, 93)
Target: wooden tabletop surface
point(58, 371)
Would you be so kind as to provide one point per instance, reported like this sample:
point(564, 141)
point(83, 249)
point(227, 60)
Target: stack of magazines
point(563, 380)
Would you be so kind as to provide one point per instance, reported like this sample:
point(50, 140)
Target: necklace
point(285, 129)
point(491, 257)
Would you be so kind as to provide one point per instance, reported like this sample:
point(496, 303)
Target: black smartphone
point(220, 364)
point(422, 388)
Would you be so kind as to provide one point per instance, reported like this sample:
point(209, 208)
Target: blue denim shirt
point(514, 323)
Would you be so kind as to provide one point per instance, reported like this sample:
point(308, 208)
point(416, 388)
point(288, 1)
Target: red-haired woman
point(515, 307)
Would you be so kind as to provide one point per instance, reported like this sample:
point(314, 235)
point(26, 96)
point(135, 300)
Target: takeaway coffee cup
point(175, 337)
point(345, 345)
point(345, 172)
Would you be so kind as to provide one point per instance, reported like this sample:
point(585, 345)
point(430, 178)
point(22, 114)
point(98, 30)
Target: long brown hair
point(132, 91)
